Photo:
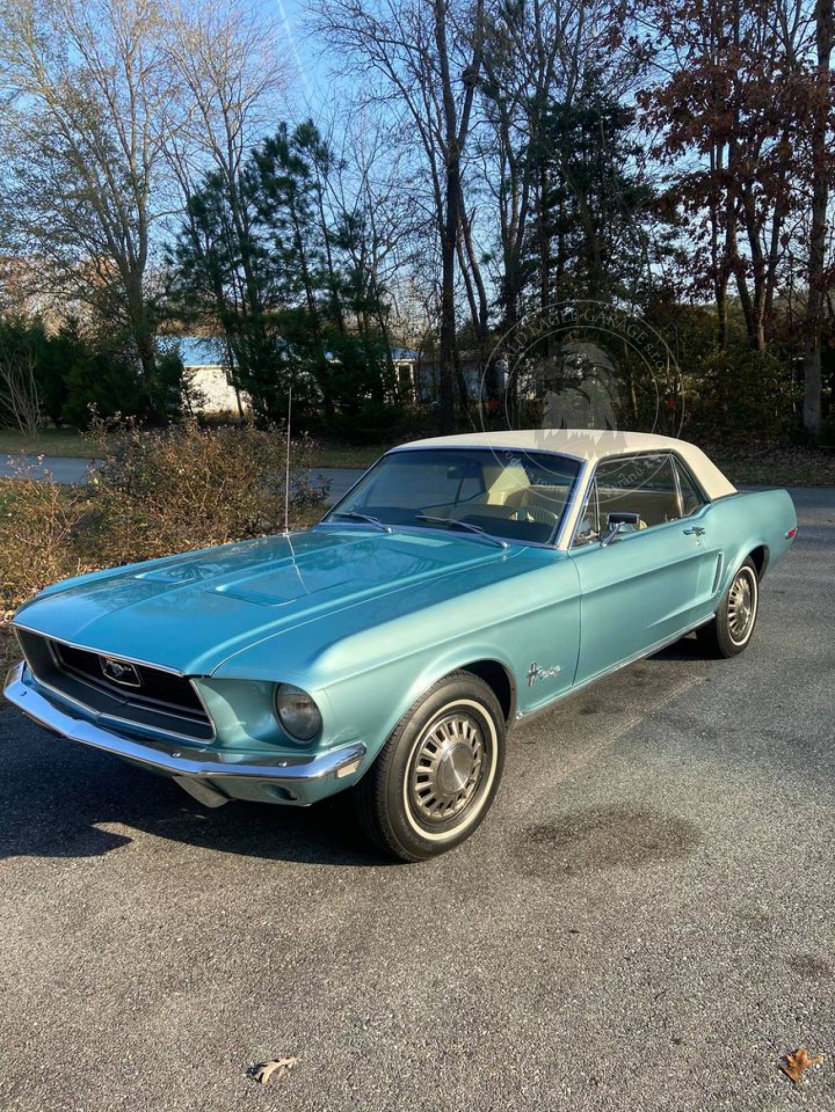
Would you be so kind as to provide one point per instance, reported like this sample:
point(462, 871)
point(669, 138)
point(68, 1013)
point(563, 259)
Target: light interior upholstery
point(654, 507)
point(509, 493)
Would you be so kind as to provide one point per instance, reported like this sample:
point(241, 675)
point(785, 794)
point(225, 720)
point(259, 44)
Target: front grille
point(148, 699)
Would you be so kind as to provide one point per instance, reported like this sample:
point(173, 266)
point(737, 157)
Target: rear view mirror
point(462, 471)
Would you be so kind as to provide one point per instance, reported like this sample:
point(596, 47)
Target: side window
point(691, 496)
point(642, 485)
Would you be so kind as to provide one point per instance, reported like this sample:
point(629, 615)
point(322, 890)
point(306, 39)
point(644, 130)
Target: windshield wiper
point(470, 528)
point(355, 515)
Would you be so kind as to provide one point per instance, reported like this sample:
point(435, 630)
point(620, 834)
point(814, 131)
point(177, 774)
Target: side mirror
point(615, 523)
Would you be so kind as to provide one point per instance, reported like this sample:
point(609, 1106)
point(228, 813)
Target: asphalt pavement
point(644, 922)
point(75, 472)
point(57, 468)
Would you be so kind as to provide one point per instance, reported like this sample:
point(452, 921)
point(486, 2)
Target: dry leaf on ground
point(278, 1066)
point(795, 1064)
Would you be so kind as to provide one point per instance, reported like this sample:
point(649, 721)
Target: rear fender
point(750, 520)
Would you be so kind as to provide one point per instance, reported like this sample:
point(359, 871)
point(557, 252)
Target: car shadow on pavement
point(58, 799)
point(687, 649)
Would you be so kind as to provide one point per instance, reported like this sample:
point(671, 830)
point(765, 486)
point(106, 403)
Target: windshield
point(516, 496)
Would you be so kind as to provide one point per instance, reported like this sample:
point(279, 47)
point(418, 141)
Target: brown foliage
point(187, 487)
point(37, 538)
point(797, 1063)
point(155, 493)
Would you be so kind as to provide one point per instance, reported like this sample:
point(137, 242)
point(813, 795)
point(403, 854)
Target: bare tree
point(89, 101)
point(226, 63)
point(371, 197)
point(227, 66)
point(19, 387)
point(425, 56)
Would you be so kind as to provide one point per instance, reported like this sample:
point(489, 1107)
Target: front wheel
point(438, 773)
point(730, 630)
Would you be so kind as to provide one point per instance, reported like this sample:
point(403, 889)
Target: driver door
point(653, 579)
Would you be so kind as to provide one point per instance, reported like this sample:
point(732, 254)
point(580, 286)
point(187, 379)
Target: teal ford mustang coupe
point(462, 584)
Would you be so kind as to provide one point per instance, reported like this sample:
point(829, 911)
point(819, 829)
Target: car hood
point(191, 613)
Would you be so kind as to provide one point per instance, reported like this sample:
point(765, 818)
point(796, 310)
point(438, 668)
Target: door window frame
point(591, 492)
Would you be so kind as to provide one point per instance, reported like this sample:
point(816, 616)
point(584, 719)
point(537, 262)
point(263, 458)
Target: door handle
point(696, 531)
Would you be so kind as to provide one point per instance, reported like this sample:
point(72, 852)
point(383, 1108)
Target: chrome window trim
point(675, 460)
point(681, 466)
point(591, 498)
point(556, 545)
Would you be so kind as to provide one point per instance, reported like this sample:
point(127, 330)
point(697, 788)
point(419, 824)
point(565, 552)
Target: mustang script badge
point(120, 671)
point(535, 673)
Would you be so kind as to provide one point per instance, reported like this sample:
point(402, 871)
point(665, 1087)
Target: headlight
point(297, 712)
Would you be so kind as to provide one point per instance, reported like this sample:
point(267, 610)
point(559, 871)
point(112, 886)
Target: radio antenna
point(287, 465)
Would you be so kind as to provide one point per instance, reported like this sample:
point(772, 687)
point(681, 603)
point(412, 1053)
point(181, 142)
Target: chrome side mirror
point(615, 523)
point(606, 540)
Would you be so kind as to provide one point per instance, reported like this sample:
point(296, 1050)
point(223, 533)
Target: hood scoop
point(279, 587)
point(176, 575)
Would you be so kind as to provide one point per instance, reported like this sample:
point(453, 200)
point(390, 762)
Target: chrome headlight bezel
point(292, 715)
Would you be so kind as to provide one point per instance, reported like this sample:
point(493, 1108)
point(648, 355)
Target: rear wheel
point(438, 773)
point(730, 630)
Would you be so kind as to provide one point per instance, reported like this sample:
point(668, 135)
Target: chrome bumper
point(194, 769)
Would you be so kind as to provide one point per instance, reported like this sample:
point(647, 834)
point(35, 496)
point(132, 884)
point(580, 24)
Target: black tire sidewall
point(411, 838)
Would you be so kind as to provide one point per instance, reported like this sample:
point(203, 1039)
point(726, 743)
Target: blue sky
point(311, 75)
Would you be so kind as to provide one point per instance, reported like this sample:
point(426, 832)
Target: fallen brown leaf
point(794, 1065)
point(278, 1066)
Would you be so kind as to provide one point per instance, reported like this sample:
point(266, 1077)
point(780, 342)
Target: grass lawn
point(50, 442)
point(347, 455)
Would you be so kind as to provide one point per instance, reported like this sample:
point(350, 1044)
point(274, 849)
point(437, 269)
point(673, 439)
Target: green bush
point(99, 382)
point(741, 395)
point(374, 423)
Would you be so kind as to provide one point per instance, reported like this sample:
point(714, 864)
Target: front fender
point(535, 622)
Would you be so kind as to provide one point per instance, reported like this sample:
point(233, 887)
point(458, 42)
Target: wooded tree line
point(478, 160)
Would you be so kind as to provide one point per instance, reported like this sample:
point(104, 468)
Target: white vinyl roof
point(590, 445)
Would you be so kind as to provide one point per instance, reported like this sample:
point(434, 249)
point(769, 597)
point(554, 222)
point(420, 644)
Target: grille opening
point(157, 688)
point(149, 698)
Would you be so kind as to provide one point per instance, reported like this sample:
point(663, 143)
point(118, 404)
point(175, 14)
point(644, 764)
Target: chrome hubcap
point(742, 606)
point(447, 767)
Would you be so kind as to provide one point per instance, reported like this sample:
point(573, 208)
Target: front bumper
point(211, 775)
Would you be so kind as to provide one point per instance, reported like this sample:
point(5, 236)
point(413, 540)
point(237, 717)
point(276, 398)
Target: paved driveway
point(645, 921)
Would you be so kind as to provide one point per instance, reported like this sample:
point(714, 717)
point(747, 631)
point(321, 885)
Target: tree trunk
point(817, 246)
point(446, 345)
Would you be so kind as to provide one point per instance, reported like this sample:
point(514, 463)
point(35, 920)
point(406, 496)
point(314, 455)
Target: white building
point(207, 373)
